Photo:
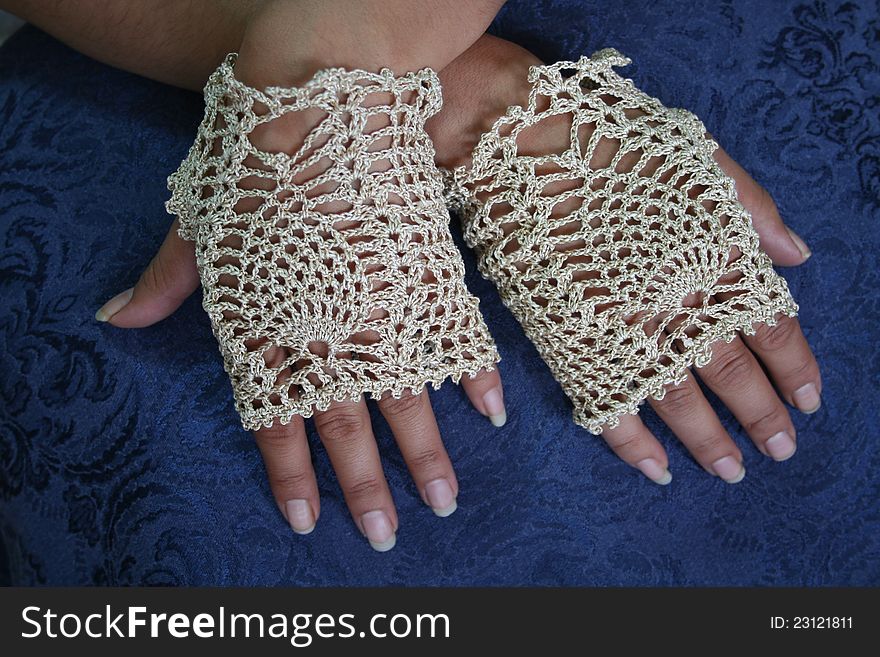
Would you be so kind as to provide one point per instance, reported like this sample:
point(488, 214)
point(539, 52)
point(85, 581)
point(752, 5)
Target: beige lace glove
point(625, 255)
point(327, 270)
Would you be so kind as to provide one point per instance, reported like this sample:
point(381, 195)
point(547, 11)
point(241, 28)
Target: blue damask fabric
point(122, 460)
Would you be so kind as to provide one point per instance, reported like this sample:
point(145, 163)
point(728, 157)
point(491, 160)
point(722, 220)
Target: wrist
point(287, 42)
point(478, 87)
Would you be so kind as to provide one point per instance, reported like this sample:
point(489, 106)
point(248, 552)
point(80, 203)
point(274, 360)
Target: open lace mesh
point(327, 267)
point(626, 253)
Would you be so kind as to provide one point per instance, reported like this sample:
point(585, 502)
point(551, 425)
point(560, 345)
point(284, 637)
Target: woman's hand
point(344, 428)
point(478, 87)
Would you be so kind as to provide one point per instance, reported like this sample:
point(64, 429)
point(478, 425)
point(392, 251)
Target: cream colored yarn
point(327, 270)
point(656, 260)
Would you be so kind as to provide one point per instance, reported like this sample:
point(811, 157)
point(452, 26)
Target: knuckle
point(156, 276)
point(339, 426)
point(276, 435)
point(802, 371)
point(427, 459)
point(480, 377)
point(767, 421)
point(709, 444)
point(290, 480)
point(624, 442)
point(406, 406)
point(731, 368)
point(764, 203)
point(365, 489)
point(679, 400)
point(774, 338)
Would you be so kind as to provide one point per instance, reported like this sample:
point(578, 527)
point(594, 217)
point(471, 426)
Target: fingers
point(285, 451)
point(415, 429)
point(347, 435)
point(784, 351)
point(166, 282)
point(633, 443)
point(487, 395)
point(688, 414)
point(782, 244)
point(782, 348)
point(736, 377)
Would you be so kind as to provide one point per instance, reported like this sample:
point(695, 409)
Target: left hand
point(478, 87)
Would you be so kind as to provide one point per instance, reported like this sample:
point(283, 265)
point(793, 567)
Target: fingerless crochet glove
point(626, 254)
point(327, 268)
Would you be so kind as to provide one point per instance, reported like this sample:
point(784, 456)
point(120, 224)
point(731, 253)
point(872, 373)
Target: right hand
point(344, 428)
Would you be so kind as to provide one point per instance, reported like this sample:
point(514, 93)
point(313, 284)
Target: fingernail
point(113, 306)
point(300, 516)
point(807, 399)
point(440, 497)
point(377, 526)
point(729, 469)
point(494, 403)
point(799, 243)
point(652, 469)
point(780, 446)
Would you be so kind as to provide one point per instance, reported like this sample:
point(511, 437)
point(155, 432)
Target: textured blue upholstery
point(121, 458)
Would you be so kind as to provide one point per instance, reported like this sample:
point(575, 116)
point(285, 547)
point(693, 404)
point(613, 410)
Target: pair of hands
point(478, 86)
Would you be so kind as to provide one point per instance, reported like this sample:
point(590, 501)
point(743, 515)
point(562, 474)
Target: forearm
point(178, 42)
point(402, 35)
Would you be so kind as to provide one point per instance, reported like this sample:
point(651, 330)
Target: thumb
point(167, 281)
point(778, 241)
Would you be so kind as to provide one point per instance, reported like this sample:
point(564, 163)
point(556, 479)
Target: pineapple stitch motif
point(625, 255)
point(327, 271)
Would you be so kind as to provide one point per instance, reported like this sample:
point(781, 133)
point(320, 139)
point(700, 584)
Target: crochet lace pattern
point(327, 268)
point(625, 255)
